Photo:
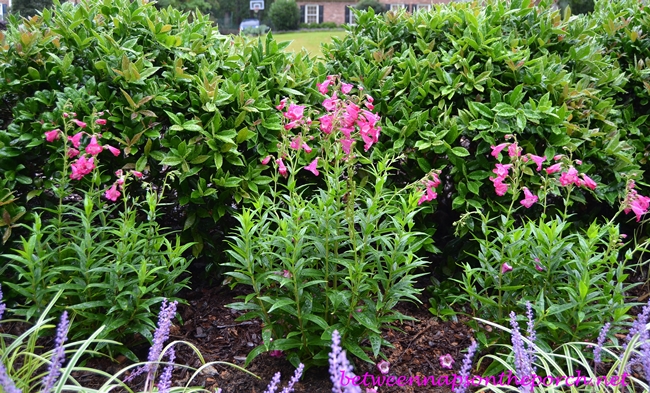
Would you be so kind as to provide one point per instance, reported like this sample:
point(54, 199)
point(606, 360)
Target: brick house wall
point(317, 11)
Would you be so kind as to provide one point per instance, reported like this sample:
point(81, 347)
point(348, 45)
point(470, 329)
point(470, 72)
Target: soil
point(213, 329)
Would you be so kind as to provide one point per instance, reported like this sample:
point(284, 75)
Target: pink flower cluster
point(635, 202)
point(112, 193)
point(568, 177)
point(431, 182)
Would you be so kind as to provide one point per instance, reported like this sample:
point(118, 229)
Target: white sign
point(257, 5)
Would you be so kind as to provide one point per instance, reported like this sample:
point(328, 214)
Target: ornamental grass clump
point(332, 245)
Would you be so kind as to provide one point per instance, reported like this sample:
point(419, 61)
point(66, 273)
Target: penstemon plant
point(335, 256)
point(574, 278)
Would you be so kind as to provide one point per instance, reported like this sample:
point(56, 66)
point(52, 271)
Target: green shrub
point(180, 96)
point(377, 7)
point(453, 82)
point(284, 15)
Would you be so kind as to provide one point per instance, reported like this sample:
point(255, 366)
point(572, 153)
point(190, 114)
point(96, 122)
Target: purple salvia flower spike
point(296, 377)
point(165, 382)
point(639, 327)
point(466, 368)
point(601, 340)
point(273, 385)
point(5, 382)
point(58, 355)
point(523, 365)
point(2, 305)
point(339, 365)
point(532, 336)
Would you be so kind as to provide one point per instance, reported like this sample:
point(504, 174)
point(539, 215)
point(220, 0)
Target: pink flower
point(290, 125)
point(65, 115)
point(266, 160)
point(578, 162)
point(296, 143)
point(76, 139)
point(346, 88)
point(323, 87)
point(282, 104)
point(330, 103)
point(538, 160)
point(497, 149)
point(276, 353)
point(281, 168)
point(447, 361)
point(82, 167)
point(137, 174)
point(371, 390)
point(326, 124)
point(369, 106)
point(558, 157)
point(306, 147)
point(119, 173)
point(294, 112)
point(79, 123)
point(514, 150)
point(72, 152)
point(501, 170)
point(113, 150)
point(554, 168)
point(529, 199)
point(500, 187)
point(436, 180)
point(286, 273)
point(589, 183)
point(346, 144)
point(53, 135)
point(505, 268)
point(384, 367)
point(112, 193)
point(93, 147)
point(538, 267)
point(351, 114)
point(369, 98)
point(639, 206)
point(312, 167)
point(101, 122)
point(569, 177)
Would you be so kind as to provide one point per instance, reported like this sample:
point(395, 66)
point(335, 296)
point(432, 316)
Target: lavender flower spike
point(296, 377)
point(273, 385)
point(340, 368)
point(5, 382)
point(2, 305)
point(601, 340)
point(532, 336)
point(466, 368)
point(58, 355)
point(523, 361)
point(165, 382)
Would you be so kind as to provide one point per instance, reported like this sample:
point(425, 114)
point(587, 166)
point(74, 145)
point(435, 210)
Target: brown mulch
point(212, 327)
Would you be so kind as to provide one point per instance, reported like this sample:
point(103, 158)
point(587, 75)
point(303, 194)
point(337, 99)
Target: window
point(311, 14)
point(421, 7)
point(351, 19)
point(396, 7)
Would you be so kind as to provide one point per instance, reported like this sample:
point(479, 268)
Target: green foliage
point(180, 97)
point(377, 7)
point(29, 8)
point(324, 25)
point(453, 82)
point(205, 6)
point(111, 267)
point(284, 15)
point(339, 257)
point(259, 30)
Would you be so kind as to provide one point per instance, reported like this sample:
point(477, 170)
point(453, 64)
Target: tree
point(28, 8)
point(285, 15)
point(374, 4)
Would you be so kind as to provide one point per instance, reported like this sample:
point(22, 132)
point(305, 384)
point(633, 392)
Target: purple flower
point(531, 329)
point(294, 379)
point(601, 340)
point(273, 385)
point(2, 305)
point(447, 361)
point(523, 362)
point(165, 382)
point(5, 382)
point(58, 355)
point(167, 312)
point(340, 367)
point(639, 327)
point(467, 365)
point(505, 268)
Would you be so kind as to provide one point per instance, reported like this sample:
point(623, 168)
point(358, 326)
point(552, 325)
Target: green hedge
point(453, 82)
point(180, 97)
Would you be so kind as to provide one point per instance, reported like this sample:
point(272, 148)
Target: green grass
point(309, 40)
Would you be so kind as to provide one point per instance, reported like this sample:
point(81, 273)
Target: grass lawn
point(309, 40)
